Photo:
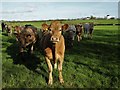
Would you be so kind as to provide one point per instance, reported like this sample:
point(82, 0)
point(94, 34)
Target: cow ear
point(45, 26)
point(65, 26)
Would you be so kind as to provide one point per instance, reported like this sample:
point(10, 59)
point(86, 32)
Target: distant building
point(109, 17)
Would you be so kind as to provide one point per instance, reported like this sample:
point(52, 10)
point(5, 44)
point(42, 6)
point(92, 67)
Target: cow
point(69, 35)
point(9, 29)
point(27, 38)
point(91, 28)
point(53, 46)
point(17, 31)
point(79, 32)
point(3, 26)
point(86, 29)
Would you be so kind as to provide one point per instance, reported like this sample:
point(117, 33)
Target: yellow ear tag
point(46, 28)
point(60, 28)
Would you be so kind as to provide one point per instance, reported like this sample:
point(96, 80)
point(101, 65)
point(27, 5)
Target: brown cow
point(54, 47)
point(27, 37)
point(45, 28)
point(17, 31)
point(79, 32)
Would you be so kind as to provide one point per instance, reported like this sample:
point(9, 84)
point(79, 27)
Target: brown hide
point(54, 47)
point(79, 32)
point(26, 38)
point(17, 31)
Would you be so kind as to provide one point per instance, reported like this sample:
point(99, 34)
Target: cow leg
point(90, 36)
point(50, 81)
point(31, 49)
point(21, 49)
point(60, 70)
point(78, 38)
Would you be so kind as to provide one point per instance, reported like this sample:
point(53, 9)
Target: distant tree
point(92, 17)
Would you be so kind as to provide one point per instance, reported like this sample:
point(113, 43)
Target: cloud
point(58, 10)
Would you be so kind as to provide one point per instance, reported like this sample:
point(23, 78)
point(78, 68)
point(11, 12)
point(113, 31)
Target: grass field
point(89, 64)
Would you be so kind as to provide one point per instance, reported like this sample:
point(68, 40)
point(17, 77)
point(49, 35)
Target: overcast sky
point(56, 9)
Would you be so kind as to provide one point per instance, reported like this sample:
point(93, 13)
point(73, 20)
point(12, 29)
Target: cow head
point(26, 37)
point(78, 28)
point(70, 32)
point(55, 30)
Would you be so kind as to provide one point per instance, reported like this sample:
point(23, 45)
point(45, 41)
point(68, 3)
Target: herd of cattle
point(52, 39)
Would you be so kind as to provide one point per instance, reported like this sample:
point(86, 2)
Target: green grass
point(89, 64)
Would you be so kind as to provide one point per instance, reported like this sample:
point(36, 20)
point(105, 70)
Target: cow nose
point(54, 39)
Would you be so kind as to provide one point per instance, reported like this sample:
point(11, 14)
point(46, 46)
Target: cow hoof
point(50, 82)
point(61, 81)
point(55, 66)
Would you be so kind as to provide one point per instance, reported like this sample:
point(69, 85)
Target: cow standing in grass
point(53, 46)
point(88, 30)
point(91, 28)
point(27, 38)
point(17, 31)
point(3, 26)
point(79, 32)
point(9, 29)
point(69, 35)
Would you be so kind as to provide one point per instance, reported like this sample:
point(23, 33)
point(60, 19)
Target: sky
point(56, 9)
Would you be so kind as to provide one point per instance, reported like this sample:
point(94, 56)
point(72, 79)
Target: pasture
point(89, 64)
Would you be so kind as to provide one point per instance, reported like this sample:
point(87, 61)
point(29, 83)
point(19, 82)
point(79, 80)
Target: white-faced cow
point(69, 35)
point(53, 46)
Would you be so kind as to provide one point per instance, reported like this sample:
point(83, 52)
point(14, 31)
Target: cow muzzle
point(54, 39)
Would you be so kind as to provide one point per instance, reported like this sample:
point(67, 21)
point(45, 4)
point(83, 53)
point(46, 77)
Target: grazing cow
point(27, 37)
point(54, 47)
point(79, 32)
point(69, 35)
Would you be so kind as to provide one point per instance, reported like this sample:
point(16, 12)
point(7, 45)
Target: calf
point(69, 35)
point(17, 31)
point(91, 26)
point(88, 30)
point(27, 37)
point(79, 32)
point(54, 47)
point(9, 30)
